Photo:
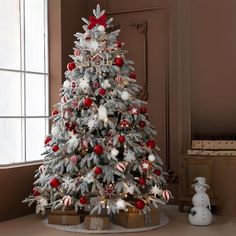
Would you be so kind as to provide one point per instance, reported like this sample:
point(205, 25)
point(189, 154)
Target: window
point(23, 80)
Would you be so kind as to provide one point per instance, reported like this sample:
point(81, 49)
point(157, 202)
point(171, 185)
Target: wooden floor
point(32, 225)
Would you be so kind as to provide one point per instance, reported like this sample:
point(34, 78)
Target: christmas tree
point(101, 152)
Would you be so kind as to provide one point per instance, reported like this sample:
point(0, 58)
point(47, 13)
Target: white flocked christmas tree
point(101, 152)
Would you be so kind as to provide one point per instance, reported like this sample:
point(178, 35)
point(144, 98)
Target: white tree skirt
point(164, 220)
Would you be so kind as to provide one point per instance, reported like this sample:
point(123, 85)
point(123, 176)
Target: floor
point(32, 225)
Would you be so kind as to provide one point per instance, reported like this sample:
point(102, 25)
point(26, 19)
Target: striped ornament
point(67, 200)
point(120, 167)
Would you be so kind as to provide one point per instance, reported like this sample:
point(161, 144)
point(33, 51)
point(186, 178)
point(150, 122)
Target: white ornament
point(106, 84)
point(200, 214)
point(120, 167)
point(84, 83)
point(151, 158)
point(101, 28)
point(120, 204)
point(125, 95)
point(156, 191)
point(114, 152)
point(102, 113)
point(67, 200)
point(129, 156)
point(56, 131)
point(66, 84)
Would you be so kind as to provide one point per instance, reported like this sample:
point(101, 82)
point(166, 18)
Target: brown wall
point(16, 184)
point(213, 56)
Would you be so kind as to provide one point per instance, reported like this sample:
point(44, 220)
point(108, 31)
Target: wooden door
point(145, 34)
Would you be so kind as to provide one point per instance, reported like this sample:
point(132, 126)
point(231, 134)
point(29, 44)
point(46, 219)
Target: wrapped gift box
point(96, 222)
point(214, 144)
point(212, 152)
point(65, 212)
point(133, 219)
point(64, 219)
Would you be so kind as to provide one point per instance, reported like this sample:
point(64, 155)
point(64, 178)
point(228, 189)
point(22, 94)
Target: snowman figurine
point(200, 214)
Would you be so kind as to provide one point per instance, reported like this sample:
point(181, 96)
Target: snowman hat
point(200, 181)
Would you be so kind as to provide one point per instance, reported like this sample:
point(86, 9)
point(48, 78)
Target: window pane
point(10, 91)
point(34, 35)
point(35, 134)
point(35, 95)
point(10, 34)
point(10, 141)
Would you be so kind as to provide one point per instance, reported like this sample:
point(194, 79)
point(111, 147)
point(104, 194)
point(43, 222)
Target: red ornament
point(88, 102)
point(71, 66)
point(54, 183)
point(150, 143)
point(132, 75)
point(124, 124)
point(118, 44)
point(102, 91)
point(74, 104)
point(134, 111)
point(142, 181)
point(139, 204)
point(98, 170)
point(143, 110)
point(83, 200)
point(55, 112)
point(35, 192)
point(119, 61)
point(97, 21)
point(47, 140)
point(146, 165)
point(121, 139)
point(157, 172)
point(55, 148)
point(98, 149)
point(142, 124)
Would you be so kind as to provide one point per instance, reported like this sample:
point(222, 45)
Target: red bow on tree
point(100, 21)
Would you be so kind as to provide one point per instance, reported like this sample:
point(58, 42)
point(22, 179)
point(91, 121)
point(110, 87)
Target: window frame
point(23, 74)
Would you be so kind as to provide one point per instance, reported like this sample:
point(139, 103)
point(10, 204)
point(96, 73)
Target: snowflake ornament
point(92, 123)
point(73, 143)
point(156, 191)
point(129, 156)
point(109, 190)
point(68, 184)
